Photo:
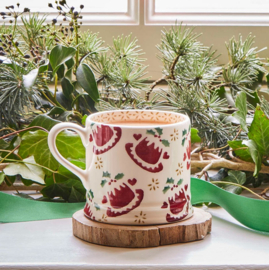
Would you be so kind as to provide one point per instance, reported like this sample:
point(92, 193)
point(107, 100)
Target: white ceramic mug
point(137, 166)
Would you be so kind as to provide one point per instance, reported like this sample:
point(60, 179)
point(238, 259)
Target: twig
point(197, 165)
point(18, 131)
point(153, 86)
point(234, 184)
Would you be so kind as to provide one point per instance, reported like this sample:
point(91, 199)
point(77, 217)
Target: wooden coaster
point(192, 229)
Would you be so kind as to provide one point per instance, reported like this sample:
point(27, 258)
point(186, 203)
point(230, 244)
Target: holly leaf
point(159, 130)
point(184, 132)
point(170, 181)
point(165, 143)
point(240, 150)
point(194, 136)
point(236, 177)
point(91, 194)
point(119, 176)
point(150, 131)
point(166, 189)
point(183, 141)
point(256, 156)
point(27, 170)
point(259, 132)
point(241, 114)
point(103, 182)
point(97, 207)
point(106, 174)
point(179, 182)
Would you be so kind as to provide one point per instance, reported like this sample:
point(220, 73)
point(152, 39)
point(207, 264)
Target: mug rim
point(185, 121)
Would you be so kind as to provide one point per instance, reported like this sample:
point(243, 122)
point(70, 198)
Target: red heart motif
point(132, 181)
point(185, 156)
point(137, 136)
point(165, 205)
point(165, 155)
point(104, 199)
point(188, 165)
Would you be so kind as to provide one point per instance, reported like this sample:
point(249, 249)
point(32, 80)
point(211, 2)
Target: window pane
point(236, 6)
point(95, 6)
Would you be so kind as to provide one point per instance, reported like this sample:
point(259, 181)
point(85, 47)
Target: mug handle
point(82, 174)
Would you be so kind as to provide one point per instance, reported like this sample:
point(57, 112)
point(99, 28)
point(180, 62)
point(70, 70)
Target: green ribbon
point(250, 212)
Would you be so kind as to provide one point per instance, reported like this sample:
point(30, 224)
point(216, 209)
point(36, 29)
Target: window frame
point(131, 17)
point(204, 18)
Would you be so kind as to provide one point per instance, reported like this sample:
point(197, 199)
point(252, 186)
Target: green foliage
point(241, 114)
point(234, 177)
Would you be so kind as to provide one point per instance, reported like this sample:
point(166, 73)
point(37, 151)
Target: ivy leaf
point(194, 136)
point(179, 182)
point(106, 174)
point(2, 177)
point(86, 79)
point(60, 55)
point(259, 132)
point(34, 143)
point(97, 207)
point(170, 181)
point(150, 131)
point(166, 189)
point(256, 156)
point(241, 114)
point(65, 172)
point(159, 130)
point(244, 153)
point(27, 171)
point(44, 121)
point(220, 175)
point(234, 177)
point(119, 176)
point(75, 196)
point(103, 182)
point(165, 143)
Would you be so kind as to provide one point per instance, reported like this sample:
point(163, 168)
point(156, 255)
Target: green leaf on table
point(170, 181)
point(44, 121)
point(236, 177)
point(119, 176)
point(29, 79)
point(60, 55)
point(150, 131)
point(259, 132)
point(27, 170)
point(106, 174)
point(240, 150)
point(220, 175)
point(86, 79)
point(2, 177)
point(159, 130)
point(67, 87)
point(241, 114)
point(256, 156)
point(165, 143)
point(23, 195)
point(194, 136)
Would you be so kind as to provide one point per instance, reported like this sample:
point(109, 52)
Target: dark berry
point(27, 56)
point(50, 5)
point(54, 21)
point(26, 10)
point(81, 6)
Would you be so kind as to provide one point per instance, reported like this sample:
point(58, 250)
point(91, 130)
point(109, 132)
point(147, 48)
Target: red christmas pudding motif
point(178, 205)
point(121, 199)
point(148, 151)
point(105, 137)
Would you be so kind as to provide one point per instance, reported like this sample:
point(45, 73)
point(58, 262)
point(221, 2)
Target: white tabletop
point(50, 245)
